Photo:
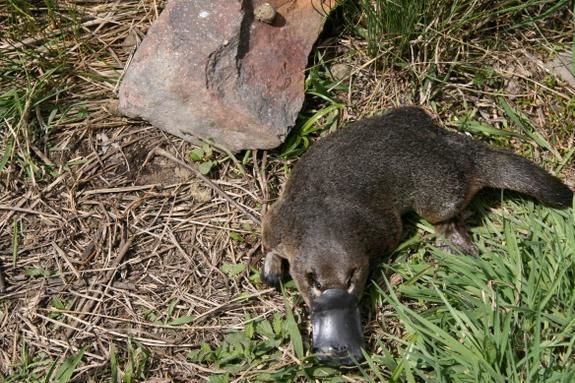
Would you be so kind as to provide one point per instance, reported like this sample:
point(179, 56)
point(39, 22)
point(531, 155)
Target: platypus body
point(341, 210)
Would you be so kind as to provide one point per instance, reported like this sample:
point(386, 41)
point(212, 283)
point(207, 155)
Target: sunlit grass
point(401, 26)
point(507, 316)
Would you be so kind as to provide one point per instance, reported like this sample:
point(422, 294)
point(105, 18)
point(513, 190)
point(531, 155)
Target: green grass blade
point(68, 367)
point(293, 329)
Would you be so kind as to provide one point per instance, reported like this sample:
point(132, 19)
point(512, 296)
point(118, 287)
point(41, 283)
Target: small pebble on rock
point(265, 13)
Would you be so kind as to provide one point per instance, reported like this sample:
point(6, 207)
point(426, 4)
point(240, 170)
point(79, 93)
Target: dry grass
point(122, 241)
point(108, 241)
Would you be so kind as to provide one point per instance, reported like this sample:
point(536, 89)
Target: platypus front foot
point(275, 269)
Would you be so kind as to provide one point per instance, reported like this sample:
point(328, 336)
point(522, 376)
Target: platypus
point(342, 206)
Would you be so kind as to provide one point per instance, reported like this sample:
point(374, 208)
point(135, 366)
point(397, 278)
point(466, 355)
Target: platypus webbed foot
point(453, 234)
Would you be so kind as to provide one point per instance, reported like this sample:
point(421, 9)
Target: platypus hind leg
point(455, 233)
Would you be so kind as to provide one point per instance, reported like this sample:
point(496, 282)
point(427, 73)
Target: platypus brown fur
point(341, 209)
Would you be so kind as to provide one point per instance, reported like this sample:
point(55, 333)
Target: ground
point(123, 265)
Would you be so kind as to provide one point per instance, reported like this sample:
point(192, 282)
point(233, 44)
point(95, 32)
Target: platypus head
point(329, 247)
point(331, 282)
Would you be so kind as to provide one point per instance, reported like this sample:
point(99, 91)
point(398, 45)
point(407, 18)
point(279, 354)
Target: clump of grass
point(129, 368)
point(395, 21)
point(35, 74)
point(403, 26)
point(505, 317)
point(321, 110)
point(26, 132)
point(32, 368)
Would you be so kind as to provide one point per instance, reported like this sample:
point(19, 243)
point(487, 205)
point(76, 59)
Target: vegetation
point(185, 303)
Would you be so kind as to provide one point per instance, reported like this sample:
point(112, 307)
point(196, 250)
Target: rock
point(562, 67)
point(208, 69)
point(265, 13)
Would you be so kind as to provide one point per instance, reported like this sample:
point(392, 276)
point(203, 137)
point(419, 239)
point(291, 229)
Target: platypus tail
point(504, 170)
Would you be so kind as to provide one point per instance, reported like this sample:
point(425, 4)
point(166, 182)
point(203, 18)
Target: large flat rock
point(209, 69)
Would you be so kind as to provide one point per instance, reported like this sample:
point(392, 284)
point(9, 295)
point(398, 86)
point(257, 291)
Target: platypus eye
point(312, 280)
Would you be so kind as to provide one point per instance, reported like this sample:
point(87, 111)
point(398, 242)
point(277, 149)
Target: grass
point(507, 316)
point(41, 368)
point(124, 268)
point(34, 81)
point(321, 112)
point(504, 317)
point(403, 27)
